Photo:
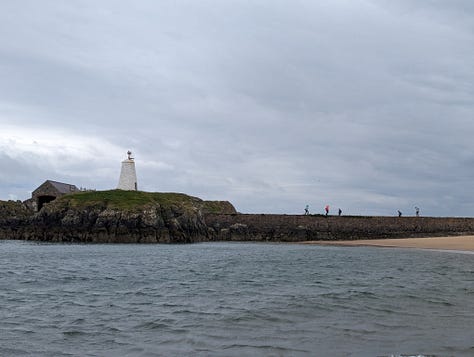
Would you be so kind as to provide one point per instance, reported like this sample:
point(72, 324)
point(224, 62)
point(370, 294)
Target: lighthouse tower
point(128, 175)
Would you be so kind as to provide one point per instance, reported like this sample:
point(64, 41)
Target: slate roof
point(63, 187)
point(59, 187)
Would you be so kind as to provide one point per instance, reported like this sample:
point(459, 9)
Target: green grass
point(128, 200)
point(218, 207)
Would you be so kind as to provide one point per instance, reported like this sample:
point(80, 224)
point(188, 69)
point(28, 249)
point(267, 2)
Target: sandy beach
point(465, 243)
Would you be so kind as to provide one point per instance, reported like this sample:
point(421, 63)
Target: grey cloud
point(363, 104)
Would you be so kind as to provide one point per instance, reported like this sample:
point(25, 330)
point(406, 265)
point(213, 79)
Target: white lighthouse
point(128, 175)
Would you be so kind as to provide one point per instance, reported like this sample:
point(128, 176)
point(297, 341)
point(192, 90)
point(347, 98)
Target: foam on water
point(229, 299)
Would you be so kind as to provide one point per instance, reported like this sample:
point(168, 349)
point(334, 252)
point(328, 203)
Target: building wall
point(128, 176)
point(45, 189)
point(47, 193)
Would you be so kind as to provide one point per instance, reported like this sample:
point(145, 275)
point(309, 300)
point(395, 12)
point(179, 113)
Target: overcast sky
point(366, 105)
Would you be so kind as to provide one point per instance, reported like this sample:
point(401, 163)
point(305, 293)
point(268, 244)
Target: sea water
point(233, 299)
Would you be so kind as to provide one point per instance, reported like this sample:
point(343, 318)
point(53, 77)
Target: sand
point(465, 243)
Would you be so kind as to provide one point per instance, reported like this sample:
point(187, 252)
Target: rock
point(111, 217)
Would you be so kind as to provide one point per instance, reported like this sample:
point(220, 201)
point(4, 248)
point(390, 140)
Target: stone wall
point(294, 228)
point(49, 191)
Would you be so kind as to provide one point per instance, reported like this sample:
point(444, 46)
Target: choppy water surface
point(222, 299)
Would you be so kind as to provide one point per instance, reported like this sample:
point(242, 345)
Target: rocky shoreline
point(118, 217)
point(172, 218)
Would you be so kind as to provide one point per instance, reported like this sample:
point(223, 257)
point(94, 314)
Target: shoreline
point(458, 243)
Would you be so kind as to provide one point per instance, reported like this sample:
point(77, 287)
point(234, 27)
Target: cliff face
point(13, 216)
point(116, 217)
point(152, 224)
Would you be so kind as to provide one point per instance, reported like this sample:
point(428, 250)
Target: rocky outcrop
point(113, 217)
point(13, 216)
point(151, 224)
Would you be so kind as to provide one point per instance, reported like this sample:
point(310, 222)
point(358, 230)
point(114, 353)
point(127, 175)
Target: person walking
point(306, 210)
point(326, 209)
point(339, 212)
point(417, 211)
point(399, 213)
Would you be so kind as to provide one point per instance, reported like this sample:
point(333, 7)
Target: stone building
point(49, 191)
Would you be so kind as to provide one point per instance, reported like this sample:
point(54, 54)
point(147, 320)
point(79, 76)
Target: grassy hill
point(136, 200)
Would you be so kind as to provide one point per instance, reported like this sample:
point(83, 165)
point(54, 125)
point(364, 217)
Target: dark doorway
point(44, 199)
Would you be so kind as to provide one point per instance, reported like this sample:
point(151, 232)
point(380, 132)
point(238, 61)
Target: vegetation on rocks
point(139, 200)
point(113, 216)
point(127, 200)
point(13, 209)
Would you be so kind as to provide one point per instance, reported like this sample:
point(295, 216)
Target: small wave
point(13, 352)
point(409, 355)
point(276, 349)
point(453, 251)
point(358, 331)
point(78, 321)
point(73, 333)
point(456, 349)
point(438, 302)
point(23, 330)
point(429, 300)
point(154, 325)
point(387, 326)
point(68, 279)
point(384, 310)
